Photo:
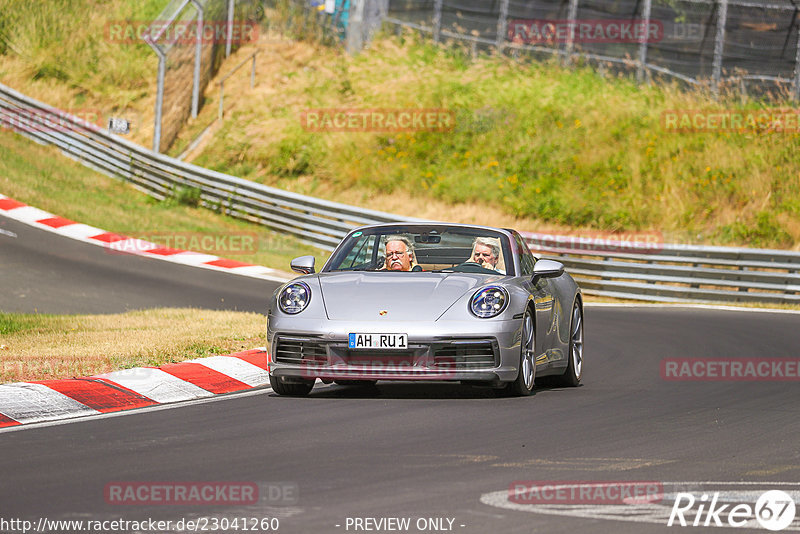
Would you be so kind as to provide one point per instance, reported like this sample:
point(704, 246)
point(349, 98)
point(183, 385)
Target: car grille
point(465, 355)
point(300, 351)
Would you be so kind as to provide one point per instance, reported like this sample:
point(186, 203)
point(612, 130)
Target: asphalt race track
point(428, 452)
point(47, 273)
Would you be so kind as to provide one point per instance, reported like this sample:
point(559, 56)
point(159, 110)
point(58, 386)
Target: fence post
point(642, 67)
point(719, 44)
point(231, 8)
point(437, 20)
point(162, 71)
point(572, 14)
point(797, 68)
point(502, 25)
point(253, 71)
point(355, 27)
point(198, 58)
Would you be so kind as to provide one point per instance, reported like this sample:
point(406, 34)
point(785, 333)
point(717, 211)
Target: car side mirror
point(547, 269)
point(303, 265)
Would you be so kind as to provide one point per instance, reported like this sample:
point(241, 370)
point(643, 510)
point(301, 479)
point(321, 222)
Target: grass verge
point(40, 347)
point(537, 146)
point(535, 142)
point(41, 177)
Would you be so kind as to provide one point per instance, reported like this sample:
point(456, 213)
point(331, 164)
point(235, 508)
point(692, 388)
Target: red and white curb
point(122, 244)
point(50, 400)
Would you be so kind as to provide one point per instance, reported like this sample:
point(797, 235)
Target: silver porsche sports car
point(427, 301)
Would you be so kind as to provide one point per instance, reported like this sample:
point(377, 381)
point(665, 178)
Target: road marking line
point(657, 513)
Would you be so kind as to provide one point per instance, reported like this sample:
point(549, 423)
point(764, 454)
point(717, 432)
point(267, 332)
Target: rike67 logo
point(773, 510)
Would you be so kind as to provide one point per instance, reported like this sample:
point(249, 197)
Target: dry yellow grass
point(41, 347)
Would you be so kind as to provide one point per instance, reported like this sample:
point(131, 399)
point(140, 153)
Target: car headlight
point(489, 301)
point(294, 298)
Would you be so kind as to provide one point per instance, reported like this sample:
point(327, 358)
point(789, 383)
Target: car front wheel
point(523, 385)
point(291, 389)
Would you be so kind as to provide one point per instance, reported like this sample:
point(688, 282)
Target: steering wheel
point(472, 267)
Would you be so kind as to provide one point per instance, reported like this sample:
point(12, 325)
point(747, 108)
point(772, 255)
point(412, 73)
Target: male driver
point(485, 252)
point(399, 253)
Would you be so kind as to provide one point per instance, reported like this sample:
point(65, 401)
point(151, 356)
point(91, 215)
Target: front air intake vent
point(300, 351)
point(465, 355)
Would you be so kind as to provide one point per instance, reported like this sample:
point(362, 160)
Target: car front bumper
point(472, 351)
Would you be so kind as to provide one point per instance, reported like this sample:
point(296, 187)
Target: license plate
point(378, 341)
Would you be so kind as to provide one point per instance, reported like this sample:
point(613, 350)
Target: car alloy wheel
point(572, 376)
point(524, 383)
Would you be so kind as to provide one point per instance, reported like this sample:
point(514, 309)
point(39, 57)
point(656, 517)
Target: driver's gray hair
point(489, 242)
point(403, 239)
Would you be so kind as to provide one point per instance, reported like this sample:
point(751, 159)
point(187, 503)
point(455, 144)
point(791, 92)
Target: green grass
point(542, 142)
point(15, 323)
point(548, 145)
point(41, 177)
point(66, 41)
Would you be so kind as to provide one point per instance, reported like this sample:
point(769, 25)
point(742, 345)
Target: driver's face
point(483, 254)
point(397, 256)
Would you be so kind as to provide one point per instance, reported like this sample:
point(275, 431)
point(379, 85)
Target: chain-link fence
point(746, 45)
point(332, 22)
point(191, 38)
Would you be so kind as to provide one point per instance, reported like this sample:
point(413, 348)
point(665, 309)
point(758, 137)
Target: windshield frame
point(345, 246)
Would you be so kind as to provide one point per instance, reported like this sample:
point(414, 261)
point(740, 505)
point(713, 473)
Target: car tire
point(574, 372)
point(523, 385)
point(292, 389)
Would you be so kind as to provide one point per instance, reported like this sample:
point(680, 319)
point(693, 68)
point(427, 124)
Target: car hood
point(402, 296)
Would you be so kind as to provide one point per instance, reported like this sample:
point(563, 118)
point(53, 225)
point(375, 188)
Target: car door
point(544, 303)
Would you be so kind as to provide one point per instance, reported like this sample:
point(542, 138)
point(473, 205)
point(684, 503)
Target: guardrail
point(675, 273)
point(318, 222)
point(664, 272)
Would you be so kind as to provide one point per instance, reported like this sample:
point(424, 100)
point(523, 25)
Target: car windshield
point(424, 249)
